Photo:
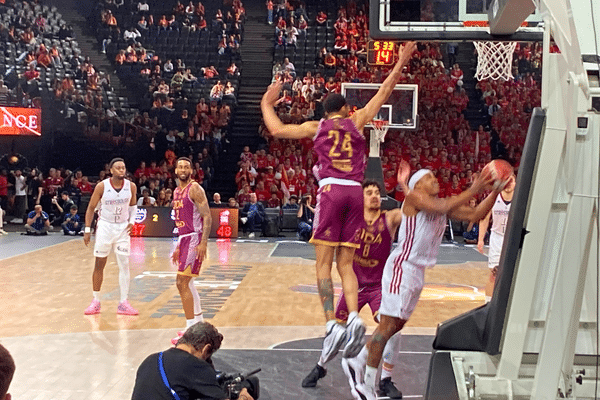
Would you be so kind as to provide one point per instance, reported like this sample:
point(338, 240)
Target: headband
point(417, 177)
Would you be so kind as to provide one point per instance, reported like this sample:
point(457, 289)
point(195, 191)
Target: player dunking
point(116, 198)
point(341, 151)
point(419, 238)
point(193, 221)
point(499, 214)
point(376, 237)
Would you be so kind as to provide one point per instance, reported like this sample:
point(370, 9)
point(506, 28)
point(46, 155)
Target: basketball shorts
point(188, 263)
point(111, 236)
point(338, 216)
point(401, 288)
point(370, 295)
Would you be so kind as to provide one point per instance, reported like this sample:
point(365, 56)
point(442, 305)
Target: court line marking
point(319, 350)
point(273, 250)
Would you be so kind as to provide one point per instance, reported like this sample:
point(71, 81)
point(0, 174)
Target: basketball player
point(419, 238)
point(376, 237)
point(341, 150)
point(193, 221)
point(116, 200)
point(499, 214)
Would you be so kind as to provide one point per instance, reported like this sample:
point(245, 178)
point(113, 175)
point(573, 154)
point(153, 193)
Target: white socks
point(96, 295)
point(123, 262)
point(189, 322)
point(390, 355)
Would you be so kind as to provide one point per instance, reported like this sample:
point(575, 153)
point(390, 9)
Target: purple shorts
point(188, 263)
point(338, 216)
point(370, 295)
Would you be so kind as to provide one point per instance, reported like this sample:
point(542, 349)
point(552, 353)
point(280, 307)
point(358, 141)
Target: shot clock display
point(381, 52)
point(159, 222)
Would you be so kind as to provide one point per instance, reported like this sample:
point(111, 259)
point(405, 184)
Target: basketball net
point(494, 60)
point(378, 132)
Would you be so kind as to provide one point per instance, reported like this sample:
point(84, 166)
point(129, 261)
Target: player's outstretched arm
point(422, 201)
point(483, 227)
point(89, 213)
point(277, 128)
point(368, 112)
point(473, 215)
point(198, 196)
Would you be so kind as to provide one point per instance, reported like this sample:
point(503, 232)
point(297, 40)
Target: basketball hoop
point(494, 60)
point(380, 127)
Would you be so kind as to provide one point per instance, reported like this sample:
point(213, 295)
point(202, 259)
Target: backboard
point(400, 109)
point(454, 20)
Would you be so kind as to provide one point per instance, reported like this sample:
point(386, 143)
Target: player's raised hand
point(483, 181)
point(403, 172)
point(271, 96)
point(405, 52)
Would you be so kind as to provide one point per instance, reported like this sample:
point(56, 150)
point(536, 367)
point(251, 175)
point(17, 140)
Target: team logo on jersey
point(140, 215)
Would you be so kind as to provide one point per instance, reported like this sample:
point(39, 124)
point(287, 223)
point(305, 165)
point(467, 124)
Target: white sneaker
point(355, 337)
point(355, 373)
point(251, 235)
point(335, 339)
point(3, 232)
point(365, 392)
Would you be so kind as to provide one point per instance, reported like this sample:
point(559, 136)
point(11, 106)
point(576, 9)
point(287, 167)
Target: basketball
point(500, 170)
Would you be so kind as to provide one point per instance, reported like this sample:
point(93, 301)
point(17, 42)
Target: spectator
point(253, 215)
point(292, 204)
point(232, 203)
point(38, 222)
point(217, 91)
point(72, 223)
point(146, 199)
point(306, 214)
point(20, 201)
point(7, 370)
point(270, 12)
point(216, 201)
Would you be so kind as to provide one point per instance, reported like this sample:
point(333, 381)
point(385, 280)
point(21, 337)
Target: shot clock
point(381, 52)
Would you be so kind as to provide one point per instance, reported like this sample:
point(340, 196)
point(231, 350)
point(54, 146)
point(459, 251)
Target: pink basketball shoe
point(176, 339)
point(126, 309)
point(93, 308)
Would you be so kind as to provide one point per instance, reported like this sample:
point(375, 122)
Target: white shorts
point(400, 296)
point(109, 234)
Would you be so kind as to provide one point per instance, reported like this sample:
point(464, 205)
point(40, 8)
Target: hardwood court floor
point(256, 298)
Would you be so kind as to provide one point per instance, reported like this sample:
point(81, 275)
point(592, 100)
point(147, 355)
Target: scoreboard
point(160, 222)
point(381, 52)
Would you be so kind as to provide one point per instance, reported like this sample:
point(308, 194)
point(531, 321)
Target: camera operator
point(188, 370)
point(306, 214)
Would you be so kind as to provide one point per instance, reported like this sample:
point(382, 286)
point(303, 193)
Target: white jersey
point(114, 205)
point(499, 217)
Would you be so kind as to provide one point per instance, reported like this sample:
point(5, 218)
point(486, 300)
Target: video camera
point(233, 384)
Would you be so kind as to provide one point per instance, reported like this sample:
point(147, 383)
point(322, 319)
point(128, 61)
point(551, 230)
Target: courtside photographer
point(186, 370)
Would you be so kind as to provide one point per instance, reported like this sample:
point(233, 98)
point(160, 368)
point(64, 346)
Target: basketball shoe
point(336, 336)
point(93, 308)
point(355, 373)
point(355, 337)
point(365, 392)
point(313, 376)
point(388, 389)
point(176, 339)
point(125, 308)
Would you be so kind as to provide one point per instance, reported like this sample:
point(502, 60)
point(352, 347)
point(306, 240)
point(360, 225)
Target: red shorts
point(370, 295)
point(338, 216)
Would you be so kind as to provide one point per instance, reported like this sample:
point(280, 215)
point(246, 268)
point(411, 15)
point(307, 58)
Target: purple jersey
point(187, 217)
point(375, 247)
point(341, 150)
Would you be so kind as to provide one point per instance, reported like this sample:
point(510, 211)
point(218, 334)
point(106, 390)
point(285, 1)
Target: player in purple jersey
point(341, 149)
point(376, 237)
point(419, 237)
point(193, 221)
